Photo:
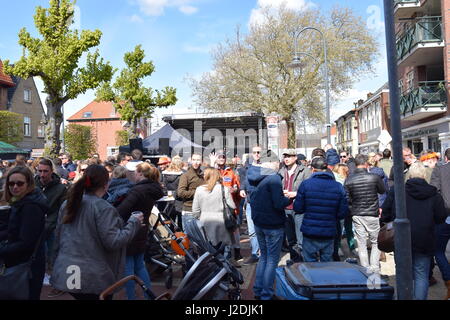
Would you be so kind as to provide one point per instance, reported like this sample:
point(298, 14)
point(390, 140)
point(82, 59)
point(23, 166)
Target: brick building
point(423, 34)
point(105, 121)
point(21, 96)
point(373, 118)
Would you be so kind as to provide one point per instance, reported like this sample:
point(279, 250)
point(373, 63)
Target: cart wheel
point(169, 279)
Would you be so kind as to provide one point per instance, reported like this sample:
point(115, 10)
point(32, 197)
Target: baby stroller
point(211, 277)
point(166, 246)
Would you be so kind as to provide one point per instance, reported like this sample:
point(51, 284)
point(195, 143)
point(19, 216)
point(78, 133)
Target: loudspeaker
point(164, 146)
point(124, 149)
point(136, 144)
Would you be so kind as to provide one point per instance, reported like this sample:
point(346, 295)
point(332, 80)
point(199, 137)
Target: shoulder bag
point(15, 281)
point(386, 237)
point(228, 214)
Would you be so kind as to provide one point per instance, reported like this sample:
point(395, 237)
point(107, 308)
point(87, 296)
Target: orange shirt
point(230, 180)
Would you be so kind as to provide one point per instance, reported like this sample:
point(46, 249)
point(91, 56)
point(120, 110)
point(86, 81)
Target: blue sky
point(177, 35)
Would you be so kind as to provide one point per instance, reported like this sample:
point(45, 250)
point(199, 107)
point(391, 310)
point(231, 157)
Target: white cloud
point(156, 7)
point(256, 16)
point(188, 10)
point(135, 18)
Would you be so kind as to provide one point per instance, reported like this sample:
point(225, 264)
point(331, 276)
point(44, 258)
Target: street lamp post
point(403, 255)
point(296, 63)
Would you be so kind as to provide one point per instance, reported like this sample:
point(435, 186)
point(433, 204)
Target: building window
point(41, 131)
point(87, 115)
point(27, 95)
point(410, 80)
point(400, 86)
point(27, 127)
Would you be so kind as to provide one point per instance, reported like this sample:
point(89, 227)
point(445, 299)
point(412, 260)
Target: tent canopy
point(176, 140)
point(9, 152)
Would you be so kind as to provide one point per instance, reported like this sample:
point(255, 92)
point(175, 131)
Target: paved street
point(436, 292)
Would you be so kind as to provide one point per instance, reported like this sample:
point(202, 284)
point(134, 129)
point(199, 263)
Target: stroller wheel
point(169, 279)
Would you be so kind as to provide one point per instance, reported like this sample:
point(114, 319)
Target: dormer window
point(87, 115)
point(27, 95)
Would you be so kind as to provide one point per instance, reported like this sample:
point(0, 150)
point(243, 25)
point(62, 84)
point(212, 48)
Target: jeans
point(442, 238)
point(251, 231)
point(298, 218)
point(186, 217)
point(368, 228)
point(270, 241)
point(136, 265)
point(315, 250)
point(337, 239)
point(49, 250)
point(421, 268)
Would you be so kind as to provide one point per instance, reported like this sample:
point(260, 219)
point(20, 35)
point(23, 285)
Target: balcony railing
point(397, 2)
point(427, 95)
point(425, 30)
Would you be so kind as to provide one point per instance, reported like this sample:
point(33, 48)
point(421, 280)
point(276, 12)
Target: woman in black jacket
point(425, 209)
point(171, 178)
point(142, 197)
point(25, 226)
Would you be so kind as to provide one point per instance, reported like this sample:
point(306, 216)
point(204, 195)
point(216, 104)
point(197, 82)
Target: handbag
point(228, 214)
point(15, 281)
point(386, 237)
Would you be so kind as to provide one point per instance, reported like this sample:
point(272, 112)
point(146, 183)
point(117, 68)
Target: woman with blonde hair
point(341, 172)
point(208, 207)
point(81, 168)
point(142, 197)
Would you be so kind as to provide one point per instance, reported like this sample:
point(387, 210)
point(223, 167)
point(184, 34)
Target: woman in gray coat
point(91, 239)
point(208, 208)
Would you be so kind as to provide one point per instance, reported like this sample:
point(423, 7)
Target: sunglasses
point(11, 184)
point(343, 157)
point(256, 152)
point(82, 170)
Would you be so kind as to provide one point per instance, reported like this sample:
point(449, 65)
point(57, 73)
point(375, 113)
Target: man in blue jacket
point(323, 203)
point(267, 205)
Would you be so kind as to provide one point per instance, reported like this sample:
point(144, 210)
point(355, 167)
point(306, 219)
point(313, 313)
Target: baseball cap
point(163, 160)
point(290, 152)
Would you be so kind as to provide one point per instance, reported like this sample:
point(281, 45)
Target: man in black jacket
point(362, 191)
point(440, 178)
point(55, 192)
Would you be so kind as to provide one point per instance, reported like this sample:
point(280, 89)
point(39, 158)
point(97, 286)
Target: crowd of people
point(94, 215)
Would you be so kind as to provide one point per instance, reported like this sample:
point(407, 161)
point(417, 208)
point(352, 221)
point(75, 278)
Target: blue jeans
point(315, 250)
point(421, 268)
point(136, 265)
point(251, 231)
point(442, 238)
point(298, 218)
point(270, 241)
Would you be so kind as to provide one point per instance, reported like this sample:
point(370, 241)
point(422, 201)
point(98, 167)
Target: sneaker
point(235, 264)
point(251, 260)
point(54, 293)
point(239, 258)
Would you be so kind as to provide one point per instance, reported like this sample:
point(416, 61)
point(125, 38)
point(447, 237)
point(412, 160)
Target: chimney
point(369, 95)
point(360, 102)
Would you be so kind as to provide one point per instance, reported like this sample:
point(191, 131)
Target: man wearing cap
point(267, 204)
point(323, 203)
point(301, 159)
point(293, 175)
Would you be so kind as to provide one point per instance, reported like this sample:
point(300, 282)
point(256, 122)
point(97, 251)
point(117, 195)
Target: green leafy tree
point(251, 71)
point(80, 141)
point(122, 138)
point(11, 127)
point(55, 59)
point(130, 97)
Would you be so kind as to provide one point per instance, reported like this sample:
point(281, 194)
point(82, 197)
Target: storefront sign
point(420, 133)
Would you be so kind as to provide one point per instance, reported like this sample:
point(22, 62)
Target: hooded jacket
point(117, 190)
point(425, 208)
point(380, 172)
point(267, 200)
point(25, 226)
point(56, 193)
point(142, 197)
point(323, 202)
point(332, 157)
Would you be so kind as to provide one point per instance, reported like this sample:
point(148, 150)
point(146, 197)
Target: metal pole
point(327, 88)
point(403, 255)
